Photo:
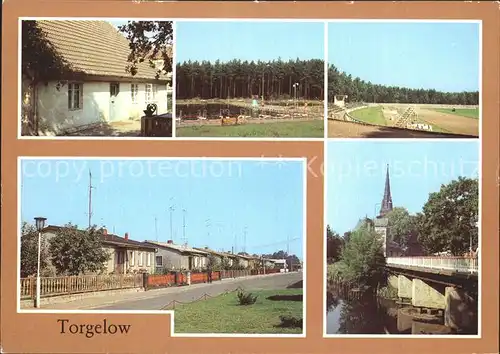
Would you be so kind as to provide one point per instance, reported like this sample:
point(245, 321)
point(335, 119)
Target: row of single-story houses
point(130, 256)
point(92, 85)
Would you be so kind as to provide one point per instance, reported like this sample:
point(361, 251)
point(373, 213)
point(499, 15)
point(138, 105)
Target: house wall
point(171, 259)
point(141, 260)
point(269, 264)
point(243, 262)
point(200, 261)
point(54, 115)
point(382, 231)
point(27, 107)
point(217, 258)
point(110, 264)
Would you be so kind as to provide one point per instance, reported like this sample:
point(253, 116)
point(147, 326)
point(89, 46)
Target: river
point(361, 313)
point(358, 312)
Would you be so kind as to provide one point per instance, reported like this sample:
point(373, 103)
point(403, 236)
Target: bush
point(246, 298)
point(290, 322)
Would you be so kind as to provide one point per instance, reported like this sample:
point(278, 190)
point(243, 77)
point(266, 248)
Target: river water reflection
point(360, 314)
point(364, 313)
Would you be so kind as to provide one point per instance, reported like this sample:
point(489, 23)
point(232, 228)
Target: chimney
point(170, 242)
point(126, 235)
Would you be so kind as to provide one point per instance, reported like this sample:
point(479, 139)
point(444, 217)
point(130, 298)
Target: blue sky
point(356, 175)
point(442, 56)
point(267, 198)
point(249, 41)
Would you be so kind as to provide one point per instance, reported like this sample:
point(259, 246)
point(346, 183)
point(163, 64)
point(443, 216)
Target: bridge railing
point(459, 264)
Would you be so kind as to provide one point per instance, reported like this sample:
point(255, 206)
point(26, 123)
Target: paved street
point(157, 299)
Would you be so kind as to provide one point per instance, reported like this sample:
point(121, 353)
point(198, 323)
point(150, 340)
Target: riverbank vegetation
point(360, 259)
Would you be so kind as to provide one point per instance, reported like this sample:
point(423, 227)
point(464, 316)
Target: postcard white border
point(170, 312)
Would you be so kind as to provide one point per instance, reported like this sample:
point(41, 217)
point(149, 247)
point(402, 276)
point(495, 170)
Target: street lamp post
point(40, 224)
point(263, 79)
point(295, 96)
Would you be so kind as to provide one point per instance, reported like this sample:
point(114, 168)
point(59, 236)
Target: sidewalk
point(92, 302)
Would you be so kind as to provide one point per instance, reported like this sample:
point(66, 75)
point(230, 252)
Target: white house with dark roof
point(96, 89)
point(171, 256)
point(126, 255)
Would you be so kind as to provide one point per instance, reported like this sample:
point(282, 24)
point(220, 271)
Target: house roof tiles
point(180, 248)
point(94, 48)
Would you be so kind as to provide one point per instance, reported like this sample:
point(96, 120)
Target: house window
point(132, 258)
point(148, 260)
point(155, 93)
point(75, 96)
point(149, 93)
point(134, 91)
point(114, 89)
point(140, 259)
point(159, 261)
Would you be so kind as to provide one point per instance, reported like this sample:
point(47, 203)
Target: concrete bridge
point(448, 284)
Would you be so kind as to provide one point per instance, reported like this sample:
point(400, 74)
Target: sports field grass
point(372, 115)
point(223, 314)
point(464, 112)
point(305, 129)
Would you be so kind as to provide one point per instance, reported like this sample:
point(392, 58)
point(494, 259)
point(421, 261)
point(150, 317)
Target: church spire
point(386, 205)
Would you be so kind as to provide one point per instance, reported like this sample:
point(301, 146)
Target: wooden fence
point(56, 286)
point(53, 286)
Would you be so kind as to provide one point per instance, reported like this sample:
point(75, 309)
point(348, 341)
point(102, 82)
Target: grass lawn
point(306, 129)
point(464, 112)
point(223, 314)
point(372, 115)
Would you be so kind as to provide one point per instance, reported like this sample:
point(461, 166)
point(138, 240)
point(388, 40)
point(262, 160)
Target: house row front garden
point(70, 285)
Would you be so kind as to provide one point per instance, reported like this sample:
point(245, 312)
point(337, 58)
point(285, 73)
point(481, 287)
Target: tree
point(236, 79)
point(40, 61)
point(334, 245)
point(148, 41)
point(347, 236)
point(360, 91)
point(448, 219)
point(401, 226)
point(225, 264)
point(77, 252)
point(29, 251)
point(212, 262)
point(291, 261)
point(362, 259)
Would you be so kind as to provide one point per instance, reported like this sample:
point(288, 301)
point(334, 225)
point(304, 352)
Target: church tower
point(386, 205)
point(381, 222)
